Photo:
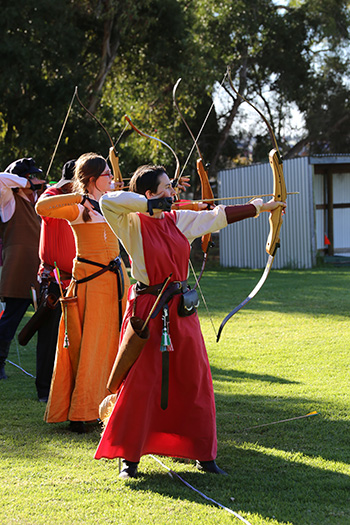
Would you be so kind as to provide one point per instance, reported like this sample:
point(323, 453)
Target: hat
point(23, 167)
point(67, 173)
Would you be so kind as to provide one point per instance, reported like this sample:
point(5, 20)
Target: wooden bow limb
point(279, 194)
point(143, 134)
point(114, 160)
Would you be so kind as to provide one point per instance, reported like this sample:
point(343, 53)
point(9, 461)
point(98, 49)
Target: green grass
point(286, 354)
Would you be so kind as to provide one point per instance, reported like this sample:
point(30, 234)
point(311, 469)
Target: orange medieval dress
point(84, 359)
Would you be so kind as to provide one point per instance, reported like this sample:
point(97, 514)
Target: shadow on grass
point(282, 471)
point(300, 488)
point(317, 436)
point(311, 292)
point(320, 494)
point(222, 374)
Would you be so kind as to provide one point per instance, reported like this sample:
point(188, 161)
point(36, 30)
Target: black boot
point(129, 469)
point(4, 352)
point(77, 426)
point(210, 466)
point(2, 371)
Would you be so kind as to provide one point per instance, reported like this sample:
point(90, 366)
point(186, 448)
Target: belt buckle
point(115, 264)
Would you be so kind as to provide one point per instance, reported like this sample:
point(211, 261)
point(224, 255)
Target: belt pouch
point(188, 303)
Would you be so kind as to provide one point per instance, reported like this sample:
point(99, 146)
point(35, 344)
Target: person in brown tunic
point(20, 237)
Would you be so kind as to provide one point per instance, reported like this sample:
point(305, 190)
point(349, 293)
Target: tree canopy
point(125, 57)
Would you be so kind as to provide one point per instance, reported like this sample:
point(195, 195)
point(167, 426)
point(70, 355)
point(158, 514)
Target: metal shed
point(322, 208)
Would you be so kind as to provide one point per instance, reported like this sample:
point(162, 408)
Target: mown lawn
point(283, 356)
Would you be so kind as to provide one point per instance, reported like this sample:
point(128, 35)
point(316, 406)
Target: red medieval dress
point(138, 425)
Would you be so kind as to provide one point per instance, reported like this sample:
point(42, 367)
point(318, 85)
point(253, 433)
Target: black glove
point(163, 204)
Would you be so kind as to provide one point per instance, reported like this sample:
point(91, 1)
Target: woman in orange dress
point(86, 350)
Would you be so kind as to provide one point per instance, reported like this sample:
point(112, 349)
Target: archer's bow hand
point(163, 204)
point(272, 205)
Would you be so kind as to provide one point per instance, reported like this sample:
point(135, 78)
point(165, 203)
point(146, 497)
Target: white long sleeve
point(7, 200)
point(121, 211)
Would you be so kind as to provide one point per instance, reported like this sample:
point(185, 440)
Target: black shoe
point(210, 466)
point(43, 399)
point(2, 372)
point(129, 469)
point(77, 426)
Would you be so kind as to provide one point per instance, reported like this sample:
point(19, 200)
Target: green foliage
point(39, 47)
point(126, 56)
point(283, 356)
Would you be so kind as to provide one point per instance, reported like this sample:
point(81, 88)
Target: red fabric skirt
point(186, 428)
point(138, 425)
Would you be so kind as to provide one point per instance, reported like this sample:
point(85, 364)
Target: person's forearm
point(239, 212)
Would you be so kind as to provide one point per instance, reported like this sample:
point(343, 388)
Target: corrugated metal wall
point(243, 244)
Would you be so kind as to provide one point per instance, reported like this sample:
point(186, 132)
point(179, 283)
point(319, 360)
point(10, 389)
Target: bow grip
point(207, 193)
point(114, 160)
point(279, 194)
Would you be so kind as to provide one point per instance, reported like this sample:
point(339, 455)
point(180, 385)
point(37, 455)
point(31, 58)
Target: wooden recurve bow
point(276, 217)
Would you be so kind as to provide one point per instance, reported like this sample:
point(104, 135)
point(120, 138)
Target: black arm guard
point(163, 204)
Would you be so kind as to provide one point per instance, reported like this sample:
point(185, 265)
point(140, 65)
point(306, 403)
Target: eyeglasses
point(107, 174)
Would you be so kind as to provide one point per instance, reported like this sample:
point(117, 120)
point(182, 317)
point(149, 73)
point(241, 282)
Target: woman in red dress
point(152, 415)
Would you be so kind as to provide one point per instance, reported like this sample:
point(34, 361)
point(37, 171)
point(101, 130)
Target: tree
point(48, 48)
point(126, 56)
point(274, 52)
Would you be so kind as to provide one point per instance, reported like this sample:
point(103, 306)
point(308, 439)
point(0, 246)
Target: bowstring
point(120, 136)
point(203, 298)
point(61, 133)
point(201, 129)
point(183, 169)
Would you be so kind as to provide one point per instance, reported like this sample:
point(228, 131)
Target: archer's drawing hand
point(118, 185)
point(183, 183)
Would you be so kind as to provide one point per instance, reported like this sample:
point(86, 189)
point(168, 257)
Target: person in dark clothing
point(57, 245)
point(19, 186)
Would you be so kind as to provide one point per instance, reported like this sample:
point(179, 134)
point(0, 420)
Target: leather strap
point(113, 266)
point(165, 381)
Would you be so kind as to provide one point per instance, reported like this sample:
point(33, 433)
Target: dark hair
point(146, 178)
point(88, 165)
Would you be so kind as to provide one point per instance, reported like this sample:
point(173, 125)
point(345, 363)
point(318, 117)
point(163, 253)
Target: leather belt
point(173, 288)
point(154, 289)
